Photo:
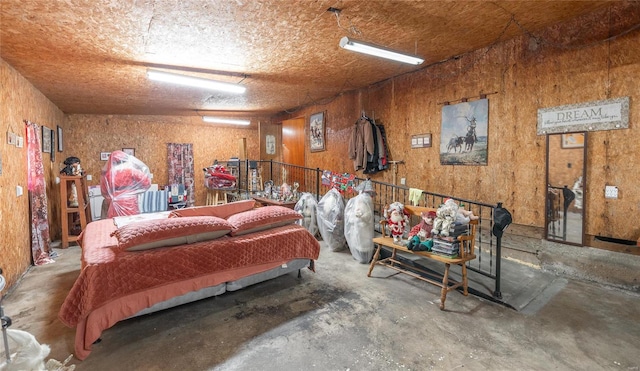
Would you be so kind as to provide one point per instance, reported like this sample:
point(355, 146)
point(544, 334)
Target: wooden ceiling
point(91, 57)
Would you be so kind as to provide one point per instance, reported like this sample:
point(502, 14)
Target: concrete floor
point(338, 319)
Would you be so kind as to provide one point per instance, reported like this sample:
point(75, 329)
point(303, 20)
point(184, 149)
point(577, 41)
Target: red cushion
point(221, 211)
point(151, 234)
point(262, 218)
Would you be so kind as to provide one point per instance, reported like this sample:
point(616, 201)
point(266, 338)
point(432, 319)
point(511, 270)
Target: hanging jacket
point(361, 143)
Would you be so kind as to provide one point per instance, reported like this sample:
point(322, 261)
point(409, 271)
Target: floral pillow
point(262, 218)
point(152, 234)
point(221, 211)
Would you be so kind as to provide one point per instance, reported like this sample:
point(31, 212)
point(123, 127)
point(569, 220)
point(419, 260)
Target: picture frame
point(421, 140)
point(316, 132)
point(573, 140)
point(53, 146)
point(129, 151)
point(60, 148)
point(46, 139)
point(464, 136)
point(104, 156)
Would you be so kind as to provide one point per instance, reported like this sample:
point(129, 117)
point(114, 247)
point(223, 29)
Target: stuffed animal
point(397, 220)
point(445, 217)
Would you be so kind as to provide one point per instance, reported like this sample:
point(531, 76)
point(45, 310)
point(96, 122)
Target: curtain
point(180, 163)
point(40, 248)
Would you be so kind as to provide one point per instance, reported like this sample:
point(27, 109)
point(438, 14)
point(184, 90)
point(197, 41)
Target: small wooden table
point(271, 202)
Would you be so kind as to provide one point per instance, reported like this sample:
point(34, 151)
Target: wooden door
point(293, 150)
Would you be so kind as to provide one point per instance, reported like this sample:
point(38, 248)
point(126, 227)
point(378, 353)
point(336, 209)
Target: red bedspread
point(114, 285)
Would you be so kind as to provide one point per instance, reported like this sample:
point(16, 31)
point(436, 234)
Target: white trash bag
point(330, 215)
point(307, 206)
point(25, 351)
point(358, 227)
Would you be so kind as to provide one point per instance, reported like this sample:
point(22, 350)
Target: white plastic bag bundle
point(26, 352)
point(307, 206)
point(358, 227)
point(331, 220)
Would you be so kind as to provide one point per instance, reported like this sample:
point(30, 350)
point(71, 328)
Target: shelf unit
point(74, 219)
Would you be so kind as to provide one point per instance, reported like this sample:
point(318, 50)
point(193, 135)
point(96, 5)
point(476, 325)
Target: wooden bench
point(466, 254)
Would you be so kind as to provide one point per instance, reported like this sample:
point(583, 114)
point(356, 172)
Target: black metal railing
point(252, 174)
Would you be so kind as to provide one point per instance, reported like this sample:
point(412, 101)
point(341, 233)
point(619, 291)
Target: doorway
point(293, 153)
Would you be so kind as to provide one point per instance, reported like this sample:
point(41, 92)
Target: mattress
point(114, 284)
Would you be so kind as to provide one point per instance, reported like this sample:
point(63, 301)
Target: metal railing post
point(318, 177)
point(497, 293)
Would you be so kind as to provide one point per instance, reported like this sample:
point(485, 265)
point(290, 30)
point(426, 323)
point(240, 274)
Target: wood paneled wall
point(19, 101)
point(527, 75)
point(89, 135)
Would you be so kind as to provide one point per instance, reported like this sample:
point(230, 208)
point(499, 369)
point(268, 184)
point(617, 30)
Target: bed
point(125, 273)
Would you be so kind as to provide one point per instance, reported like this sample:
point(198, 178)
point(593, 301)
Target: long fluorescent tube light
point(378, 51)
point(220, 120)
point(197, 82)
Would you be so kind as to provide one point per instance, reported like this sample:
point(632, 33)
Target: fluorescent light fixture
point(378, 51)
point(197, 82)
point(220, 120)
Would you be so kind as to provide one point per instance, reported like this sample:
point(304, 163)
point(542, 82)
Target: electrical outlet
point(403, 181)
point(610, 192)
point(89, 177)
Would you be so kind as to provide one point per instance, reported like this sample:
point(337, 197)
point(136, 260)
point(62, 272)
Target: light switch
point(610, 192)
point(18, 191)
point(403, 181)
point(89, 177)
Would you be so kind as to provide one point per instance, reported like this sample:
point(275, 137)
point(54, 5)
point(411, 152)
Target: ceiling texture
point(91, 57)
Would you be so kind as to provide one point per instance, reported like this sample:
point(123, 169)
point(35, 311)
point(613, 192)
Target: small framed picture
point(104, 156)
point(316, 132)
point(53, 146)
point(421, 140)
point(46, 139)
point(129, 151)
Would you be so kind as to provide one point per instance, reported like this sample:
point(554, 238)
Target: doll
point(397, 221)
point(421, 232)
point(464, 216)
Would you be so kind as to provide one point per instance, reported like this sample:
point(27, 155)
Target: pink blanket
point(114, 285)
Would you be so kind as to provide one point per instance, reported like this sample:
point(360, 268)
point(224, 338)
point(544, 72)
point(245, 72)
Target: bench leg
point(445, 285)
point(465, 284)
point(374, 260)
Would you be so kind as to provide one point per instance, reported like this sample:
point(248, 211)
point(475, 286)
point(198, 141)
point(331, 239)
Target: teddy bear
point(421, 232)
point(397, 220)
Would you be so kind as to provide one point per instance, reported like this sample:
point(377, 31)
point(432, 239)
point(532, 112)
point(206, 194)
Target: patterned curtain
point(180, 163)
point(40, 249)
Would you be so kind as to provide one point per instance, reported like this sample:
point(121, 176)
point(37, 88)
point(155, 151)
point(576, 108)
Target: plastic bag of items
point(330, 216)
point(25, 352)
point(218, 177)
point(123, 178)
point(358, 227)
point(307, 207)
